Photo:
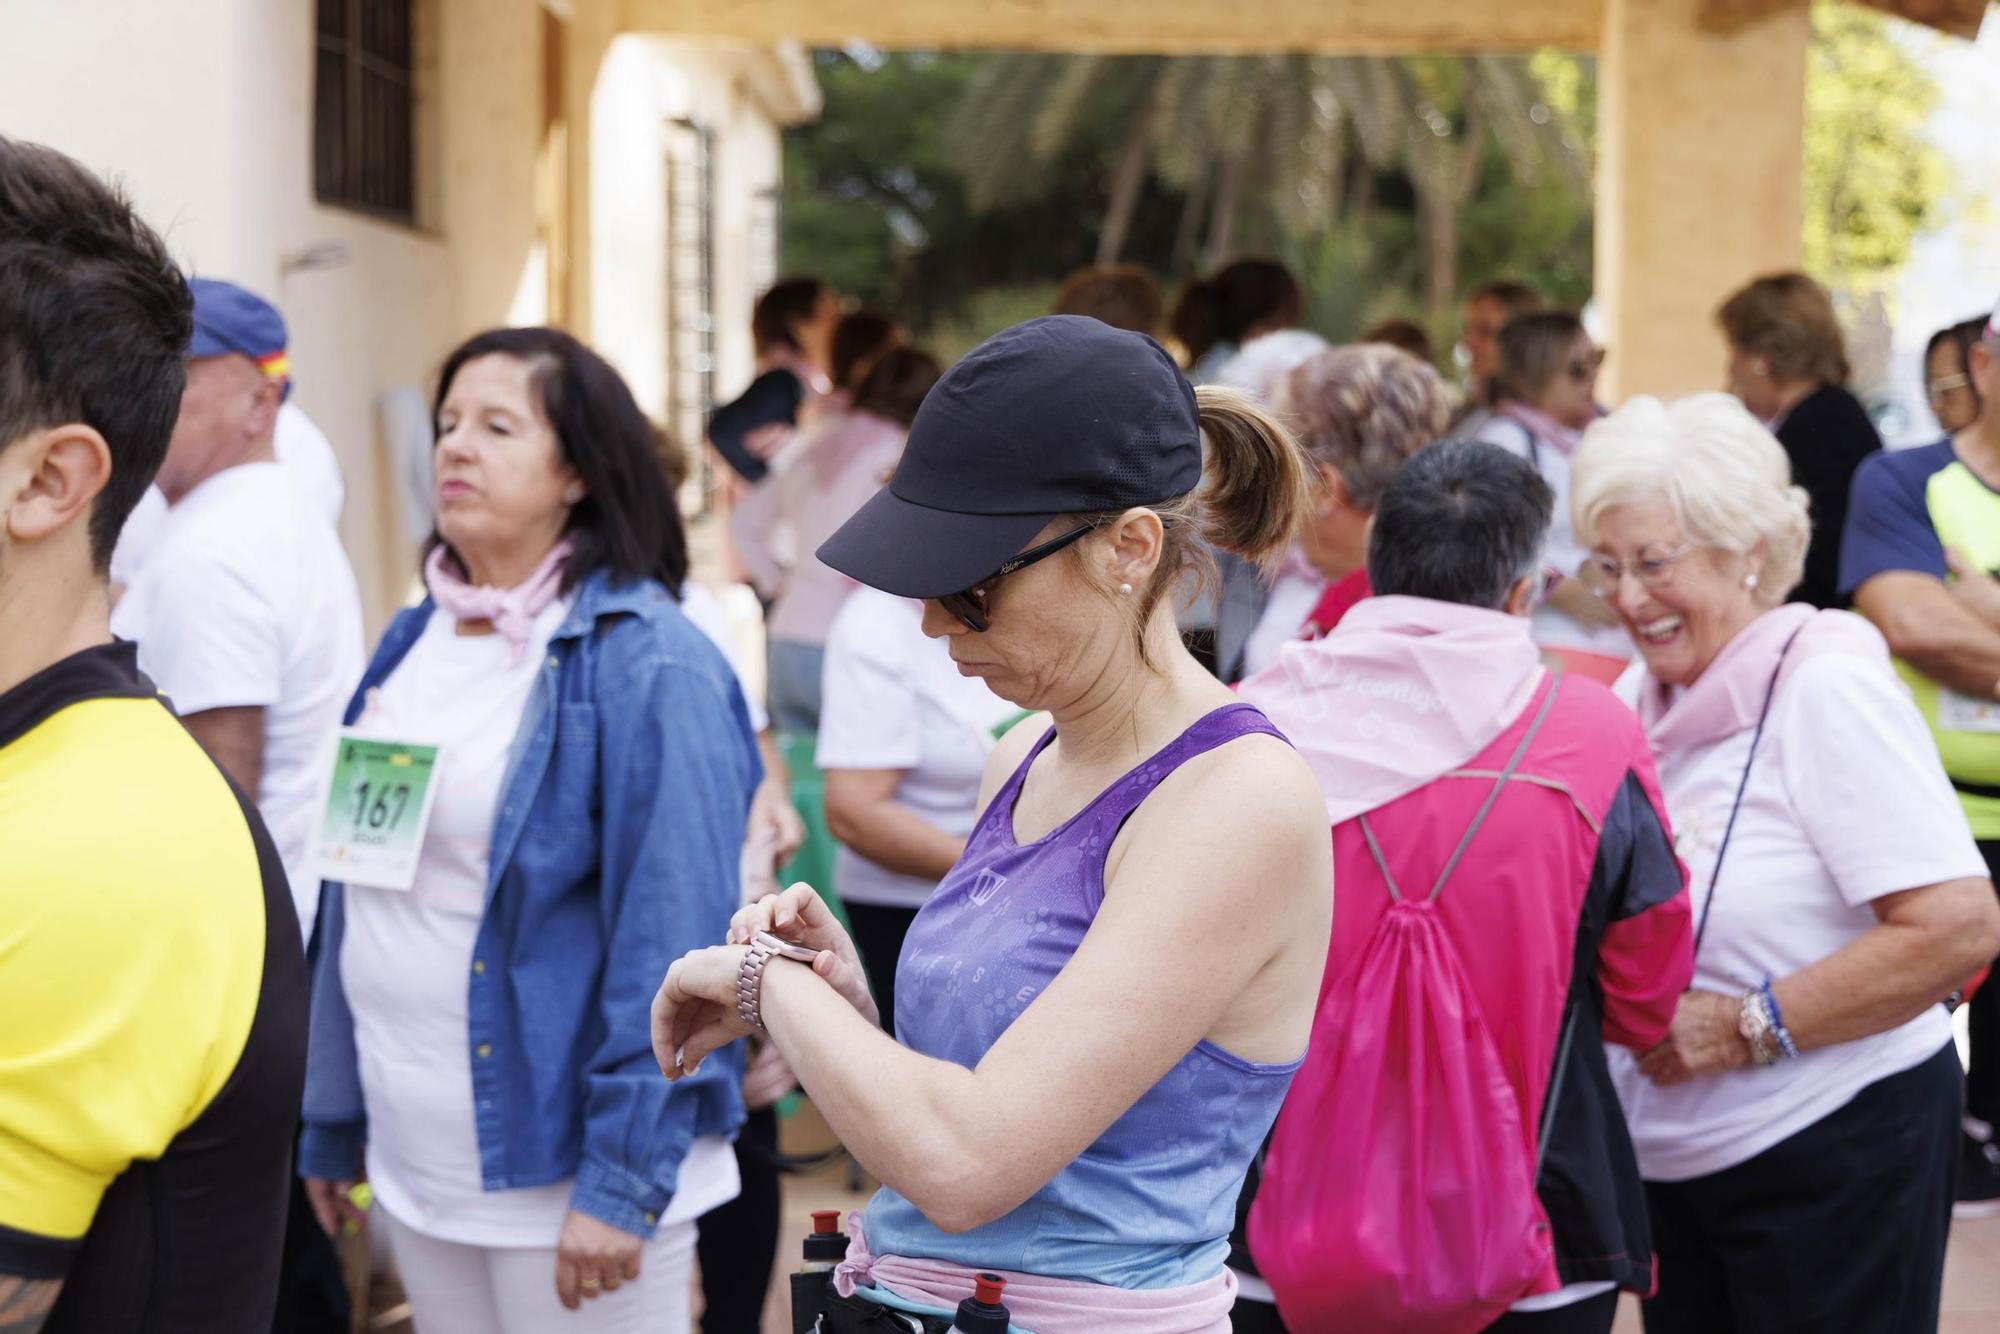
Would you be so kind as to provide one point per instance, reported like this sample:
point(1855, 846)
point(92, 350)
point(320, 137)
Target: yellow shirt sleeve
point(124, 1001)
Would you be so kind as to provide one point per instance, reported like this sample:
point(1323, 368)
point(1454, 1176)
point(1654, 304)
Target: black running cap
point(1061, 415)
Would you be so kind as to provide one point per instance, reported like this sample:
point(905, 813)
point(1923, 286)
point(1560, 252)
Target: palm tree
point(1259, 145)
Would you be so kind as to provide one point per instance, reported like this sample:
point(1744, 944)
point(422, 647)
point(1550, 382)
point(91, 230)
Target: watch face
point(786, 949)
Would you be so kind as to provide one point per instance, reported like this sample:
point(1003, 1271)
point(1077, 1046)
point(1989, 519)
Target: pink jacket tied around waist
point(1043, 1305)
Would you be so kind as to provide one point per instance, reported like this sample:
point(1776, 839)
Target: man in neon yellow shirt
point(1918, 557)
point(152, 986)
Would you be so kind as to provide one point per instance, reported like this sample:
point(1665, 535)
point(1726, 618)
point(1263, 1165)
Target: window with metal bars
point(364, 121)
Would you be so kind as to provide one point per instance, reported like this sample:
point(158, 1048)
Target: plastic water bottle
point(826, 1247)
point(982, 1312)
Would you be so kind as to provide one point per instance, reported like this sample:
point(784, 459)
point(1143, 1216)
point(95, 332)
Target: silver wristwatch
point(1754, 1023)
point(750, 977)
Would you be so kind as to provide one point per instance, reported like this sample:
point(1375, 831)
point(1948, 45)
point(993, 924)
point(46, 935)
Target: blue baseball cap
point(228, 320)
point(1060, 415)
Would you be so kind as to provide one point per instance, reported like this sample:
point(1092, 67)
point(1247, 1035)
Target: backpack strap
point(1486, 807)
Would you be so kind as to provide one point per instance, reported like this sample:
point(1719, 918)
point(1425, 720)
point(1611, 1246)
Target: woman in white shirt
point(1546, 394)
point(903, 739)
point(480, 1022)
point(1798, 1129)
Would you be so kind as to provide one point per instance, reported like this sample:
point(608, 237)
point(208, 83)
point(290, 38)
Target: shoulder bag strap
point(1742, 786)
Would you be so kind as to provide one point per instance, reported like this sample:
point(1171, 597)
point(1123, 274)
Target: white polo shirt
point(1846, 803)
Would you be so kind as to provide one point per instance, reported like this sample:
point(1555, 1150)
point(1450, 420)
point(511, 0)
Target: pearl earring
point(1750, 582)
point(1125, 589)
point(572, 495)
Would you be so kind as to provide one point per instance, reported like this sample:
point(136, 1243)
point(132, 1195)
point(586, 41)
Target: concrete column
point(1700, 182)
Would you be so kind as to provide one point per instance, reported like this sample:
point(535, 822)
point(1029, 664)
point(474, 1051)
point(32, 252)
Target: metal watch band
point(750, 982)
point(764, 947)
point(1755, 1026)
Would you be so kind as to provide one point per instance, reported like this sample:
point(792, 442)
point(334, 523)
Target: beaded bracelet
point(1778, 1029)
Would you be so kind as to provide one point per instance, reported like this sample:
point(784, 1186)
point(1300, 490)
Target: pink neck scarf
point(1403, 690)
point(1542, 426)
point(1729, 694)
point(511, 610)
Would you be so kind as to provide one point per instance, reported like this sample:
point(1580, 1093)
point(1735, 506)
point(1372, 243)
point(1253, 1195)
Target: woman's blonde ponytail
point(1256, 484)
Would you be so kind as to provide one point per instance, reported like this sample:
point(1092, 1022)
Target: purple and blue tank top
point(1151, 1203)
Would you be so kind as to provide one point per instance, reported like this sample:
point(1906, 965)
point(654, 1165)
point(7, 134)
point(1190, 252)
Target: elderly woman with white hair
point(1798, 1129)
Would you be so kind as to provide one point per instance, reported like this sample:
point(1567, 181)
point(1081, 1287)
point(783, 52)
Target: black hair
point(95, 320)
point(1245, 295)
point(627, 522)
point(1463, 522)
point(1965, 335)
point(858, 340)
point(789, 301)
point(895, 386)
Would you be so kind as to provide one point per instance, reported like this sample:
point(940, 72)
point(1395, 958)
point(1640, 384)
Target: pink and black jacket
point(1570, 913)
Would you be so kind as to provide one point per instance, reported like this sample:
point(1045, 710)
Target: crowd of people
point(1093, 663)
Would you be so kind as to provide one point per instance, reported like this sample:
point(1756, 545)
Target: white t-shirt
point(893, 699)
point(299, 444)
point(1550, 627)
point(405, 957)
point(304, 449)
point(705, 610)
point(247, 600)
point(1846, 803)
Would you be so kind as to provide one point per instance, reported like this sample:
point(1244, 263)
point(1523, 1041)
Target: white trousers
point(458, 1289)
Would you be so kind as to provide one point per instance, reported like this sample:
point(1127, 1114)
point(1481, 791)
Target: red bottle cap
point(826, 1221)
point(987, 1288)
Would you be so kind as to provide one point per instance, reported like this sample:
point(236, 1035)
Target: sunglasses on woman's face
point(970, 606)
point(1582, 368)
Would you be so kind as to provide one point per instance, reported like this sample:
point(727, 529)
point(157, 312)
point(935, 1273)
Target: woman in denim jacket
point(483, 1034)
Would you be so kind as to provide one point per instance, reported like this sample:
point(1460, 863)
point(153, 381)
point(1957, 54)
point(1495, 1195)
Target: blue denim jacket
point(615, 850)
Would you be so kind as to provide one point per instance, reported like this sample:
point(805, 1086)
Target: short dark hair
point(95, 320)
point(1408, 335)
point(1965, 335)
point(1246, 294)
point(1532, 348)
point(1463, 522)
point(895, 386)
point(627, 522)
point(1123, 296)
point(1510, 294)
point(789, 301)
point(857, 340)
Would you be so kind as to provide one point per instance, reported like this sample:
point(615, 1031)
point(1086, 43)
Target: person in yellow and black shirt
point(152, 984)
point(1919, 556)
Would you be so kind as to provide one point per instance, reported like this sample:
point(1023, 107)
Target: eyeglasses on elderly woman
point(1652, 567)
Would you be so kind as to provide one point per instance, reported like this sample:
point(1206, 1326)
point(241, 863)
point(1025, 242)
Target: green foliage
point(1871, 178)
point(955, 190)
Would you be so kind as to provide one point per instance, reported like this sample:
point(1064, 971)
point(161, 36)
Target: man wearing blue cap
point(246, 612)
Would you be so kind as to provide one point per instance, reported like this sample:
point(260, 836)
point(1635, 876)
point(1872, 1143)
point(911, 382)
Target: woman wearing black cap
point(1102, 1006)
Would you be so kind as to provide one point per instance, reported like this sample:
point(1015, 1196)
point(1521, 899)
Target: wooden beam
point(1960, 18)
point(1343, 27)
point(1725, 16)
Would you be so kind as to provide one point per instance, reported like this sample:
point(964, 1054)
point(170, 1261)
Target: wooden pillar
point(589, 34)
point(1700, 182)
